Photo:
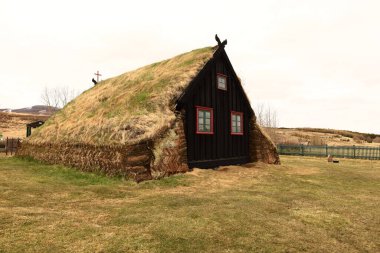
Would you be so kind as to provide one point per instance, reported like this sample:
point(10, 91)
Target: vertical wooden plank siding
point(220, 148)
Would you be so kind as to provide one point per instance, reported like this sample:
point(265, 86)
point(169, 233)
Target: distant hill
point(320, 136)
point(36, 110)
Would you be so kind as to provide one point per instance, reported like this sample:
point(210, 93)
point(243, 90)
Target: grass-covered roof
point(125, 109)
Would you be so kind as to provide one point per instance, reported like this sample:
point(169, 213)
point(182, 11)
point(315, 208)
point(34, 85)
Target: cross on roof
point(97, 76)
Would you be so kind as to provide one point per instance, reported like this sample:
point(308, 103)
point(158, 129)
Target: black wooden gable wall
point(219, 148)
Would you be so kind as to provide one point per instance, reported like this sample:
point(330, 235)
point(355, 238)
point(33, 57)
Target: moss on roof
point(125, 109)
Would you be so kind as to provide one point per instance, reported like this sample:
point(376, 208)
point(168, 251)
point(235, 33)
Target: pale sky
point(317, 63)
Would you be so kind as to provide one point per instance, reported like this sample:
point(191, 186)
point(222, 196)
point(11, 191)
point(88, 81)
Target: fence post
point(18, 144)
point(6, 147)
point(327, 150)
point(302, 151)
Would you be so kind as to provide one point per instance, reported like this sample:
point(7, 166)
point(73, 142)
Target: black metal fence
point(356, 152)
point(10, 145)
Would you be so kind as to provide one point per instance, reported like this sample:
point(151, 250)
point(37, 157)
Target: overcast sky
point(317, 63)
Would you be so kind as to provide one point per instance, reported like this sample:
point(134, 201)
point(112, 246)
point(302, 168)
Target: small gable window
point(205, 118)
point(236, 123)
point(221, 81)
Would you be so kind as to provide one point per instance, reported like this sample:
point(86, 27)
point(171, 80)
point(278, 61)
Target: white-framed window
point(221, 81)
point(236, 123)
point(205, 118)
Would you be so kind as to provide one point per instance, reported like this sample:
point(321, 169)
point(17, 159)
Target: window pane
point(222, 81)
point(236, 123)
point(204, 120)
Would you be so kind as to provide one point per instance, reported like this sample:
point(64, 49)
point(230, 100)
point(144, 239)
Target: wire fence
point(355, 152)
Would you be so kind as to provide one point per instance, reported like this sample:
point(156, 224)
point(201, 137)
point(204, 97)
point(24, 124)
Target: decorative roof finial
point(220, 44)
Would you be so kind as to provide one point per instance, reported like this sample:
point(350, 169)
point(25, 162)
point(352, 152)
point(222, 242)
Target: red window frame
point(211, 110)
point(241, 114)
point(217, 83)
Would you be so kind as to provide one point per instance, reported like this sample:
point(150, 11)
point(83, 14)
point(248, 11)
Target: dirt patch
point(225, 177)
point(196, 172)
point(221, 169)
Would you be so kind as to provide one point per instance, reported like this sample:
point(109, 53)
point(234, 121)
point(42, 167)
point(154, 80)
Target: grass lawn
point(306, 204)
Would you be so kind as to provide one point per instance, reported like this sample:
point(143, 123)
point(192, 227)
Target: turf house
point(165, 118)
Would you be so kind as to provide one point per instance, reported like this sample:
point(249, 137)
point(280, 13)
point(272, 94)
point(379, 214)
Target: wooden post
point(368, 153)
point(354, 152)
point(302, 151)
point(6, 147)
point(28, 130)
point(327, 150)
